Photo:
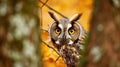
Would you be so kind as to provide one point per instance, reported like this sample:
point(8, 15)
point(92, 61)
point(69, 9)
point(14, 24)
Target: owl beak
point(64, 37)
point(61, 40)
point(64, 41)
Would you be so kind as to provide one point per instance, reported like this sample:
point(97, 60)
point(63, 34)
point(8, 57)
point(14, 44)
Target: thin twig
point(57, 58)
point(51, 48)
point(41, 18)
point(44, 3)
point(44, 30)
point(53, 9)
point(41, 13)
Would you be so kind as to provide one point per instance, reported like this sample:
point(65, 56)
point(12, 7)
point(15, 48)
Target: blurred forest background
point(24, 34)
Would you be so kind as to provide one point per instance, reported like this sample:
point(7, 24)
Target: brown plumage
point(67, 36)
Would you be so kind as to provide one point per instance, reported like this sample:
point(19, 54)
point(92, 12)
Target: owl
point(67, 36)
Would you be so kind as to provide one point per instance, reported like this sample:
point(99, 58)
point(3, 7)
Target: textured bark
point(19, 33)
point(104, 41)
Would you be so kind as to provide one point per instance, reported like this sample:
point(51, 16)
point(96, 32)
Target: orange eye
point(57, 31)
point(71, 31)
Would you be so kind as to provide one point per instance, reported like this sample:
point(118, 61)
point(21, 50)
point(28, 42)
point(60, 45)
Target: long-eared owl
point(67, 36)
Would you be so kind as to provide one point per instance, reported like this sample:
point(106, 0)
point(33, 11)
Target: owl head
point(65, 31)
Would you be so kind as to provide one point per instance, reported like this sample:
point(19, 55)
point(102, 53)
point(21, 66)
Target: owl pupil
point(57, 31)
point(71, 31)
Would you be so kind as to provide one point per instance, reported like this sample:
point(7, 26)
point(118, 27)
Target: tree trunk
point(104, 40)
point(19, 33)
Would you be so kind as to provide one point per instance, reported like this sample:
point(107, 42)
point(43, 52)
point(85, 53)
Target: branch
point(51, 48)
point(44, 30)
point(57, 58)
point(53, 9)
point(44, 3)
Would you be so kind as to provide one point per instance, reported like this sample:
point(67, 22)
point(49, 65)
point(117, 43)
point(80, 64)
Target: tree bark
point(104, 39)
point(19, 33)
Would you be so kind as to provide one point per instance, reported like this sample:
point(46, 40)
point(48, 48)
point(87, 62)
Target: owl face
point(65, 31)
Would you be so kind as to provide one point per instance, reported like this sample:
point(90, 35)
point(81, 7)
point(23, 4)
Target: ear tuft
point(75, 17)
point(52, 15)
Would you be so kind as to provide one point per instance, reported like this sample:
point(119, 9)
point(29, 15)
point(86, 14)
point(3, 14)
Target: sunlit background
point(67, 8)
point(21, 33)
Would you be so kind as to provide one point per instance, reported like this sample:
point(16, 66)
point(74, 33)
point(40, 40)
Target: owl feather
point(67, 36)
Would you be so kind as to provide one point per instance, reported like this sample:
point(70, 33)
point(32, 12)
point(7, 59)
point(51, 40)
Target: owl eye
point(71, 31)
point(57, 31)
